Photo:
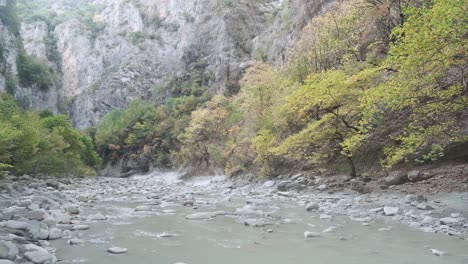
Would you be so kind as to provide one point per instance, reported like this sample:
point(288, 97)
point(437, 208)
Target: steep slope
point(110, 52)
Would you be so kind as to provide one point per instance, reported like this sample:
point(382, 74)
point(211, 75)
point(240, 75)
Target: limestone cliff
point(109, 52)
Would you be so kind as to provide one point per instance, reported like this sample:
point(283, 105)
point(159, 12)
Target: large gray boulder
point(415, 176)
point(8, 250)
point(396, 178)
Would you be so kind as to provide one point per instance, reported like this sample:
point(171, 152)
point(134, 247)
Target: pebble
point(331, 229)
point(437, 252)
point(117, 250)
point(75, 241)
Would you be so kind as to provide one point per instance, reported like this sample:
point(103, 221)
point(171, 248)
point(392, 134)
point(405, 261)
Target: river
point(160, 233)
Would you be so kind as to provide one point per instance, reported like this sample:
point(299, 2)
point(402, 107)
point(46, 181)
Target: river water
point(225, 239)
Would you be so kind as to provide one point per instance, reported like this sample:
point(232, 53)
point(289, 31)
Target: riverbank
point(36, 212)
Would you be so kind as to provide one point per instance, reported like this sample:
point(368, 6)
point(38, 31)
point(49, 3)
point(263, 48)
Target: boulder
point(55, 233)
point(8, 250)
point(283, 186)
point(52, 184)
point(424, 206)
point(429, 220)
point(269, 184)
point(36, 254)
point(395, 178)
point(450, 221)
point(16, 225)
point(414, 176)
point(312, 207)
point(35, 215)
point(72, 209)
point(391, 211)
point(38, 257)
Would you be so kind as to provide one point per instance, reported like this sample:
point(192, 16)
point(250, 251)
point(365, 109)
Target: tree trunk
point(352, 166)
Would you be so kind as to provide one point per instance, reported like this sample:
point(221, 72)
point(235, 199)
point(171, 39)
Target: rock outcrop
point(146, 49)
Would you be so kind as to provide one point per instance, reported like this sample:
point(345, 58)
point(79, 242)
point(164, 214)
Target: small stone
point(199, 216)
point(75, 241)
point(166, 235)
point(117, 250)
point(143, 208)
point(80, 227)
point(97, 217)
point(376, 210)
point(322, 187)
point(269, 184)
point(424, 206)
point(308, 234)
point(438, 252)
point(331, 229)
point(385, 229)
point(188, 203)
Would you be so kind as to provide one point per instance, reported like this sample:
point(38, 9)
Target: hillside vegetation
point(370, 82)
point(42, 143)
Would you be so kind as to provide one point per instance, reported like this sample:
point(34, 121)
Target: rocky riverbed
point(116, 220)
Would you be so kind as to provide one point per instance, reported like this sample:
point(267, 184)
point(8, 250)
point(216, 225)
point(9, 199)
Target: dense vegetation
point(369, 81)
point(42, 143)
point(83, 11)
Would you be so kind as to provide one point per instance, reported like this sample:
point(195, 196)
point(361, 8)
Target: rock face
point(146, 48)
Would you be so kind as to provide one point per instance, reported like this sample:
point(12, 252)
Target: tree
point(427, 92)
point(327, 115)
point(204, 139)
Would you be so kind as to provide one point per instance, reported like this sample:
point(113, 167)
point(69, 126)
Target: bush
point(9, 17)
point(31, 71)
point(42, 144)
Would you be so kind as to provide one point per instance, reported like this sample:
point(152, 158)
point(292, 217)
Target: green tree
point(427, 91)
